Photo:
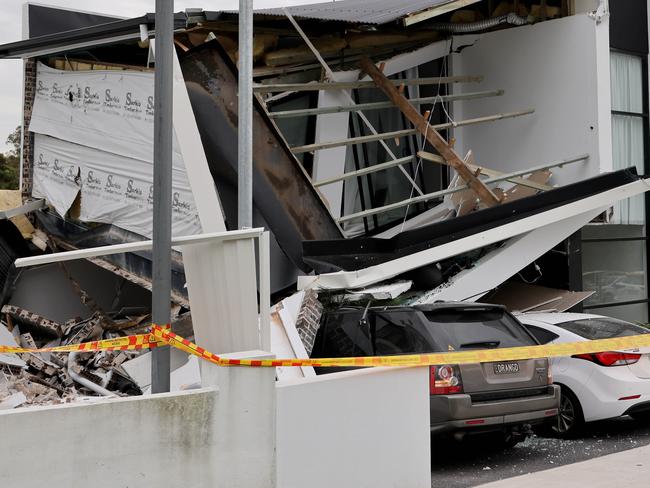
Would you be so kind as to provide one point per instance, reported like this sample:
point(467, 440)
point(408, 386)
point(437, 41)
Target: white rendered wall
point(205, 438)
point(362, 428)
point(561, 69)
point(154, 441)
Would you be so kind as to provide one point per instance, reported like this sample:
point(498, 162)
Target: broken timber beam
point(431, 135)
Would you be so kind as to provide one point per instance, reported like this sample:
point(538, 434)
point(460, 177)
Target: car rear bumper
point(458, 412)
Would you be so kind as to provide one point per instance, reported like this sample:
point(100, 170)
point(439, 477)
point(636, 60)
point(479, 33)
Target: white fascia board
point(380, 272)
point(137, 246)
point(497, 266)
point(186, 129)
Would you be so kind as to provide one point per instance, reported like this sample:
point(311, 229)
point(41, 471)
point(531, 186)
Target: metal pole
point(162, 192)
point(245, 124)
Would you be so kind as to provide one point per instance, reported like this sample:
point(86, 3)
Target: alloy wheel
point(567, 416)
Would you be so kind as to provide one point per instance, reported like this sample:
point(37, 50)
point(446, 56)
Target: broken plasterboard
point(139, 369)
point(10, 199)
point(524, 297)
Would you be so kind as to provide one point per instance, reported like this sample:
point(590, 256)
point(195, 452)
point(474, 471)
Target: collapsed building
point(438, 150)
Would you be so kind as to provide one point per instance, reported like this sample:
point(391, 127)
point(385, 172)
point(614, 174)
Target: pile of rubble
point(51, 378)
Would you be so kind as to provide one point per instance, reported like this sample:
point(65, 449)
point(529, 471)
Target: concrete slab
point(631, 467)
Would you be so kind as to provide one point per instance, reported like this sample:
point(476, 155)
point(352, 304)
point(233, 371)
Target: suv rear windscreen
point(602, 328)
point(455, 330)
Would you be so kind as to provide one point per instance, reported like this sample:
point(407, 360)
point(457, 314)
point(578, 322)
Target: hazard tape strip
point(465, 357)
point(130, 343)
point(162, 335)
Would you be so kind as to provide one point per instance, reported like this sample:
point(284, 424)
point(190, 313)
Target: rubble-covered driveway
point(475, 462)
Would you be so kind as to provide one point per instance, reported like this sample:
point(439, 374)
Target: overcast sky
point(10, 30)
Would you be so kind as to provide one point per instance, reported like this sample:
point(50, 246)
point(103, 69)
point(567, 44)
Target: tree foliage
point(10, 162)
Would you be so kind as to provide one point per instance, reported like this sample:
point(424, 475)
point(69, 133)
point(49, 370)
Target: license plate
point(506, 368)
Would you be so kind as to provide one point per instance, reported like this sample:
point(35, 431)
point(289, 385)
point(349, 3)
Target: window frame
point(644, 115)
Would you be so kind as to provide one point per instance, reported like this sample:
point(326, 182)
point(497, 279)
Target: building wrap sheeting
point(108, 110)
point(114, 189)
point(94, 135)
point(55, 179)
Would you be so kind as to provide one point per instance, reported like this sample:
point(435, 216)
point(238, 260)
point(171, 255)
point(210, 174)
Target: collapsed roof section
point(331, 154)
point(356, 254)
point(536, 212)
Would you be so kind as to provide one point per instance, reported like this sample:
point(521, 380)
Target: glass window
point(615, 270)
point(542, 335)
point(342, 335)
point(637, 312)
point(395, 336)
point(627, 130)
point(476, 330)
point(626, 74)
point(602, 328)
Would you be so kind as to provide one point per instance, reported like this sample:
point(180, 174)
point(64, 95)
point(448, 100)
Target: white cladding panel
point(561, 69)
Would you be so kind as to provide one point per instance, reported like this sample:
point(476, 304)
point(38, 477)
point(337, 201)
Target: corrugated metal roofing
point(362, 11)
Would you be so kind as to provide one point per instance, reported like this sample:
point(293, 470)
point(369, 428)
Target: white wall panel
point(363, 428)
point(561, 69)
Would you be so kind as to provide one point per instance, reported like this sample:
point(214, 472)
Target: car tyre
point(570, 419)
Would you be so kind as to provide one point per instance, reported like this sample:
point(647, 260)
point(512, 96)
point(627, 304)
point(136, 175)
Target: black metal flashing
point(354, 254)
point(44, 20)
point(96, 33)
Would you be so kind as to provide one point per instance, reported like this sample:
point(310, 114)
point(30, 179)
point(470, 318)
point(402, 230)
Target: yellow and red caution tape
point(163, 336)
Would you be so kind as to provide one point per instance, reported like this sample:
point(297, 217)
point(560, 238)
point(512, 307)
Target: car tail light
point(610, 358)
point(445, 380)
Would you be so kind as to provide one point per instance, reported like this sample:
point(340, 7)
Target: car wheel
point(570, 418)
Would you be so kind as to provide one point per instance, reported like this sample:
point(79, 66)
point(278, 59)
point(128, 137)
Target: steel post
point(245, 121)
point(162, 181)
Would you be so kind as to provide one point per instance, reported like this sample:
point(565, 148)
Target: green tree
point(13, 140)
point(10, 162)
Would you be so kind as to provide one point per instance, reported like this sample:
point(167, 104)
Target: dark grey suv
point(504, 396)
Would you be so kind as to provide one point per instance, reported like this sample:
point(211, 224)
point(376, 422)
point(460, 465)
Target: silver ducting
point(453, 28)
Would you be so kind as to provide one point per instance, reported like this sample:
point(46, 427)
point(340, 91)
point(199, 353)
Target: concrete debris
point(13, 401)
point(33, 321)
point(52, 378)
point(184, 373)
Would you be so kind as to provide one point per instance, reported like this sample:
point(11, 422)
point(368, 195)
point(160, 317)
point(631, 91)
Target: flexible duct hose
point(511, 18)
